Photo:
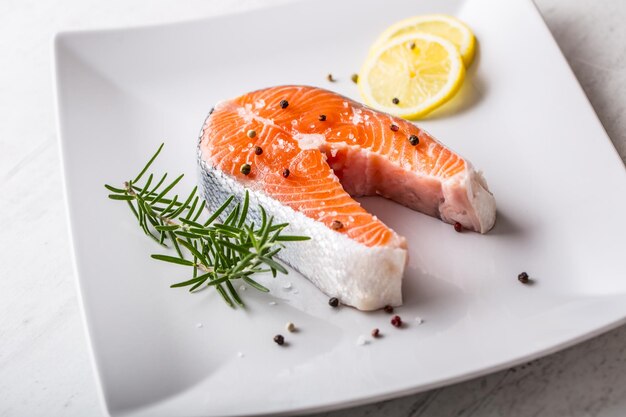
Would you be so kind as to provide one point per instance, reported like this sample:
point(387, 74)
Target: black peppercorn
point(279, 339)
point(322, 118)
point(286, 173)
point(283, 104)
point(258, 150)
point(245, 169)
point(395, 100)
point(333, 302)
point(523, 278)
point(336, 225)
point(388, 309)
point(414, 140)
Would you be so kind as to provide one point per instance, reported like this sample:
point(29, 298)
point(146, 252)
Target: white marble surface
point(44, 363)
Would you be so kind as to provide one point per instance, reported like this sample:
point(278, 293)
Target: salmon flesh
point(310, 151)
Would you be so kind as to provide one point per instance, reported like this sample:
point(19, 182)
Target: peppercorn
point(336, 225)
point(283, 104)
point(258, 150)
point(286, 173)
point(322, 118)
point(395, 100)
point(279, 339)
point(333, 302)
point(290, 327)
point(458, 227)
point(396, 321)
point(330, 78)
point(388, 309)
point(412, 46)
point(355, 78)
point(245, 169)
point(523, 278)
point(414, 140)
point(251, 133)
point(394, 128)
point(375, 332)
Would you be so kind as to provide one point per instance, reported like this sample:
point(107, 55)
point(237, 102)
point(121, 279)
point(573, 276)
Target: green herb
point(218, 252)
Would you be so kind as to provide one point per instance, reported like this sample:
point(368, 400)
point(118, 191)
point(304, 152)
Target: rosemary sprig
point(219, 252)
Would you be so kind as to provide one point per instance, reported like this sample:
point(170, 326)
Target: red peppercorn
point(375, 333)
point(388, 309)
point(394, 128)
point(396, 321)
point(258, 150)
point(458, 227)
point(286, 173)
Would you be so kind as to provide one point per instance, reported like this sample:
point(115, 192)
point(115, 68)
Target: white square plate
point(521, 117)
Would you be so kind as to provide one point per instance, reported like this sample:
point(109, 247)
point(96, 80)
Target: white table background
point(44, 361)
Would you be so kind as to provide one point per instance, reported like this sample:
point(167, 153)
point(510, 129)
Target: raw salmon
point(304, 153)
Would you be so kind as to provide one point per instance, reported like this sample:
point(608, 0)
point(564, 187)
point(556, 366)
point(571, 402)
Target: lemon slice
point(411, 75)
point(447, 27)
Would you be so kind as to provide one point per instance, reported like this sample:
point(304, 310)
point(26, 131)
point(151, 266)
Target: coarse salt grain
point(243, 288)
point(272, 303)
point(361, 341)
point(240, 354)
point(287, 286)
point(199, 325)
point(419, 320)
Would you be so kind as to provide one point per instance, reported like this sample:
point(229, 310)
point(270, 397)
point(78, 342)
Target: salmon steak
point(303, 153)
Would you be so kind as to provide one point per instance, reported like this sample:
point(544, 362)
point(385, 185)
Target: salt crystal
point(240, 354)
point(199, 325)
point(418, 320)
point(296, 291)
point(360, 341)
point(242, 288)
point(287, 286)
point(272, 303)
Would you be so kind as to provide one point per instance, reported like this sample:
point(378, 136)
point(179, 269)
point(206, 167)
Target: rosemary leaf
point(273, 264)
point(113, 189)
point(121, 197)
point(145, 168)
point(288, 238)
point(255, 284)
point(172, 259)
point(192, 281)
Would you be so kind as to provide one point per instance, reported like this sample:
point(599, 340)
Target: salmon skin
point(310, 151)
